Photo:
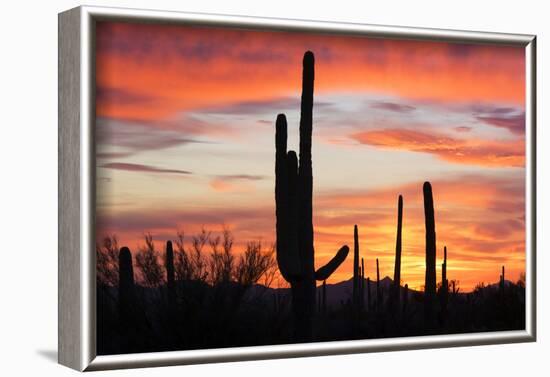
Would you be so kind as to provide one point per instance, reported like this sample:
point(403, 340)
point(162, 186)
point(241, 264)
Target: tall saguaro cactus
point(430, 279)
point(356, 269)
point(125, 286)
point(397, 269)
point(294, 212)
point(444, 285)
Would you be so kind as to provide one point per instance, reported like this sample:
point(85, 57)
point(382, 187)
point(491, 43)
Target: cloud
point(110, 155)
point(461, 151)
point(151, 72)
point(136, 136)
point(234, 183)
point(142, 168)
point(246, 177)
point(506, 117)
point(463, 129)
point(259, 107)
point(515, 123)
point(254, 107)
point(392, 106)
point(124, 97)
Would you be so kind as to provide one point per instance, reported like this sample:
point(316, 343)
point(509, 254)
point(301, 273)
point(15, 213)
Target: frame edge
point(81, 354)
point(69, 85)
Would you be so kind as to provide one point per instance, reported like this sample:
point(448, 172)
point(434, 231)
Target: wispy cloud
point(131, 137)
point(236, 177)
point(461, 151)
point(142, 168)
point(515, 123)
point(235, 182)
point(463, 129)
point(393, 106)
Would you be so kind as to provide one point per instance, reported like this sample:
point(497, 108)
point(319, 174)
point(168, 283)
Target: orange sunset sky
point(185, 130)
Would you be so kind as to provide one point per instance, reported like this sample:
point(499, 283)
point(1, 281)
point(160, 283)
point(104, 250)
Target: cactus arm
point(324, 272)
point(285, 193)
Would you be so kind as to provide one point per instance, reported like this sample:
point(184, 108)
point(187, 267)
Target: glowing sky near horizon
point(185, 139)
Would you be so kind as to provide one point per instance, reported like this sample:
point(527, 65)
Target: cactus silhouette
point(369, 305)
point(430, 279)
point(294, 207)
point(126, 288)
point(362, 300)
point(405, 297)
point(356, 270)
point(378, 293)
point(444, 286)
point(397, 269)
point(444, 280)
point(170, 275)
point(502, 279)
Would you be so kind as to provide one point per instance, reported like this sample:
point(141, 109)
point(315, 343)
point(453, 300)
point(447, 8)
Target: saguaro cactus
point(369, 305)
point(378, 293)
point(125, 286)
point(502, 279)
point(362, 299)
point(356, 269)
point(170, 278)
point(397, 269)
point(430, 279)
point(444, 282)
point(444, 285)
point(294, 207)
point(169, 261)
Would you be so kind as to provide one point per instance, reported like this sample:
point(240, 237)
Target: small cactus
point(378, 293)
point(126, 288)
point(170, 275)
point(444, 285)
point(362, 299)
point(369, 302)
point(502, 280)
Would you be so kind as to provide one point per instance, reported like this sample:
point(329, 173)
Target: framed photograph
point(236, 188)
